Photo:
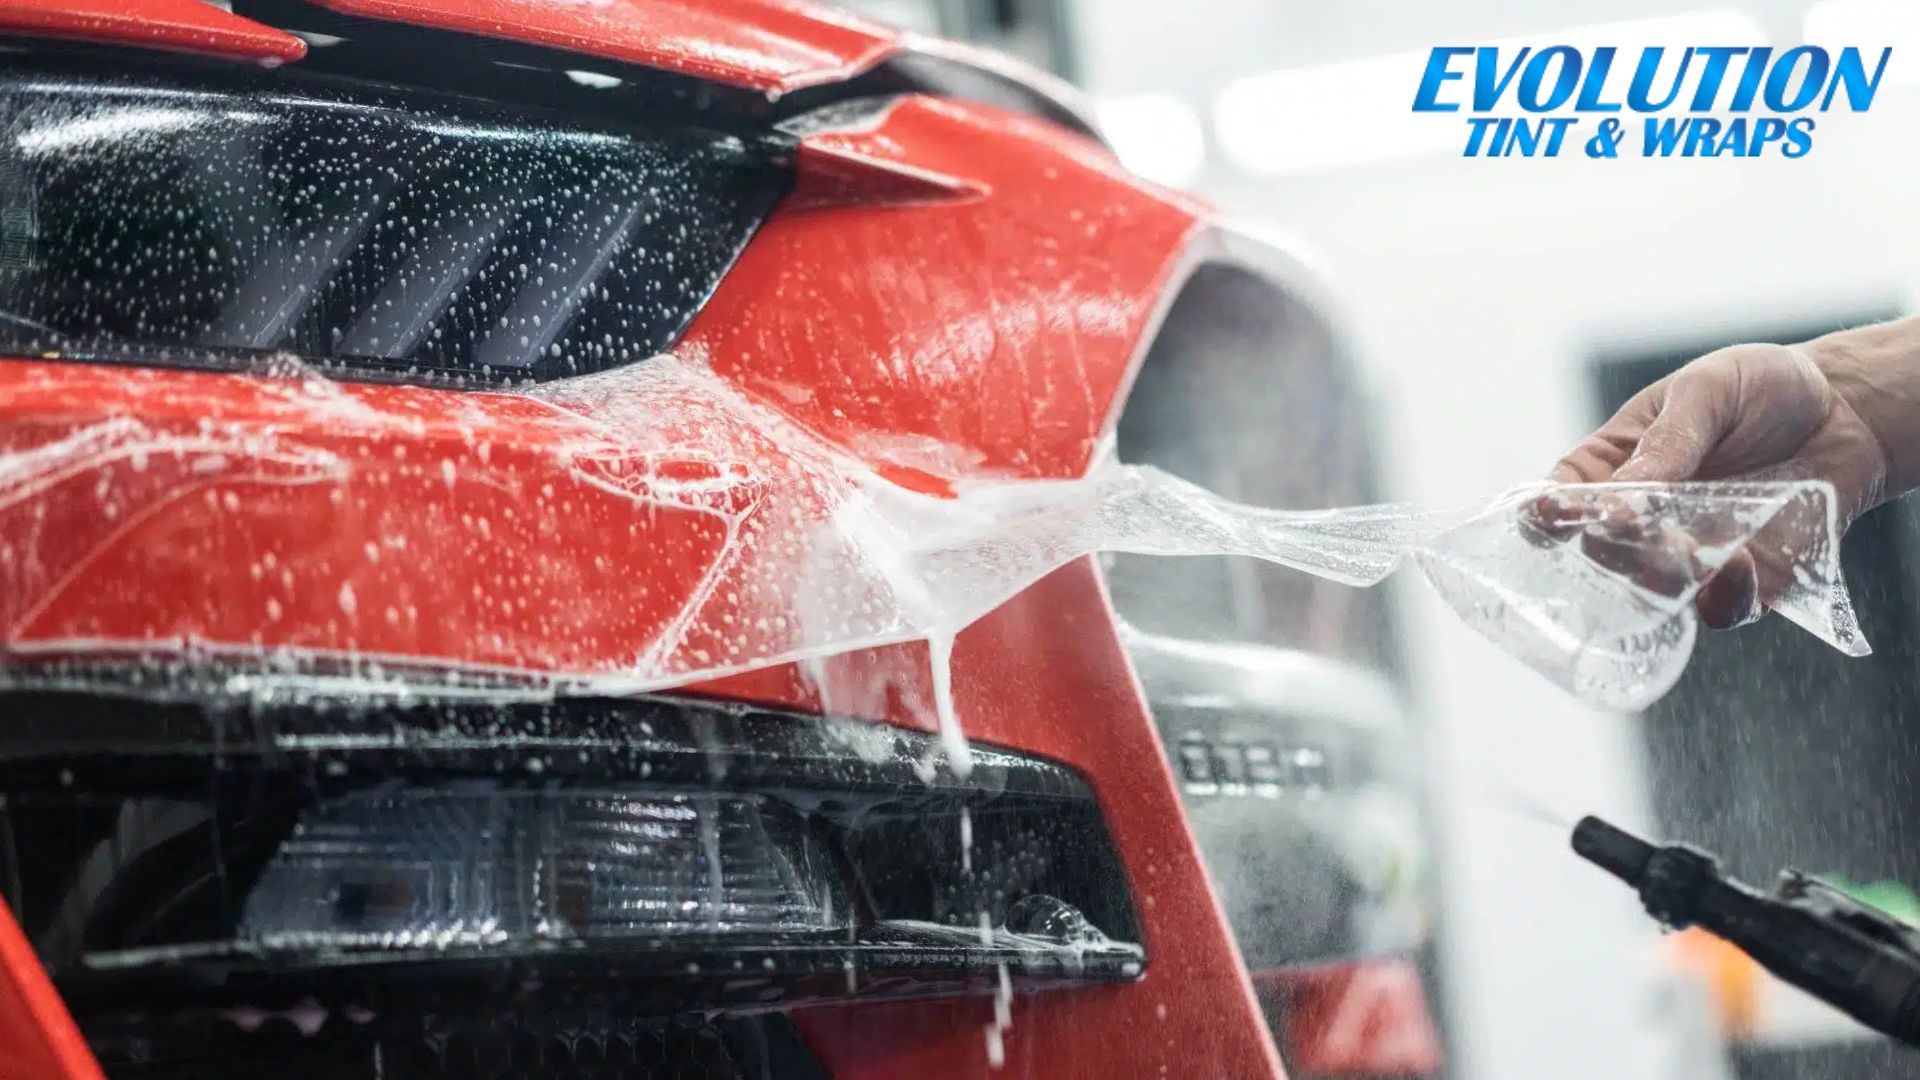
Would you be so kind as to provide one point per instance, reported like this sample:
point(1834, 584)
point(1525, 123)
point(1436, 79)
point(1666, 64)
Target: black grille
point(179, 213)
point(165, 852)
point(299, 1044)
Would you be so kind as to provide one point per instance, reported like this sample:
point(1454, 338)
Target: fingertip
point(1553, 517)
point(1731, 597)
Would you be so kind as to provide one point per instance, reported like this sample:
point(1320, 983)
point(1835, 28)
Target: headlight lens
point(481, 864)
point(693, 853)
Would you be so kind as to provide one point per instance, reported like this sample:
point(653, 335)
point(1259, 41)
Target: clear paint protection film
point(651, 527)
point(1590, 585)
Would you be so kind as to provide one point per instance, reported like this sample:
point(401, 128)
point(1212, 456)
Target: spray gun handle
point(1855, 958)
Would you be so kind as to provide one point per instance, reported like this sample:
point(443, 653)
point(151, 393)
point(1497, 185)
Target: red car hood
point(771, 46)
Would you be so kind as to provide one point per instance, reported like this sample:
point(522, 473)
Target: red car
point(388, 684)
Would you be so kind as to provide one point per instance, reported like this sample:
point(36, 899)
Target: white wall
point(1479, 290)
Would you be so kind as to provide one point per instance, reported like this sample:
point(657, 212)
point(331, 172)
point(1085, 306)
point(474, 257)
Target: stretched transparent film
point(651, 527)
point(1590, 585)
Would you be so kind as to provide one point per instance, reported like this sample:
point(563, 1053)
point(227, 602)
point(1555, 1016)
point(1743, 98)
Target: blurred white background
point(1481, 294)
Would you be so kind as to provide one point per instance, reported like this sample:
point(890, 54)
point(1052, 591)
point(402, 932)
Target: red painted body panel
point(1365, 1018)
point(769, 45)
point(227, 522)
point(772, 46)
point(177, 25)
point(985, 334)
point(37, 1038)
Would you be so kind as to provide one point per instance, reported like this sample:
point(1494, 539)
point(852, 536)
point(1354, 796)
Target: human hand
point(1788, 412)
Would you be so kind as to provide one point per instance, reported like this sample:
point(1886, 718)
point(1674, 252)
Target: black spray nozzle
point(1857, 959)
point(1669, 878)
point(1616, 851)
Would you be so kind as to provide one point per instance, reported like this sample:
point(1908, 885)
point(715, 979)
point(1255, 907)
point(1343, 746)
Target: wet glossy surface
point(984, 333)
point(767, 45)
point(180, 25)
point(215, 218)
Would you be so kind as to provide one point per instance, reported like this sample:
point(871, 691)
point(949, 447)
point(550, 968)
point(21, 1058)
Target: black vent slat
point(178, 213)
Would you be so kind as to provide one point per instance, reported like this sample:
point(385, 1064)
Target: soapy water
point(805, 554)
